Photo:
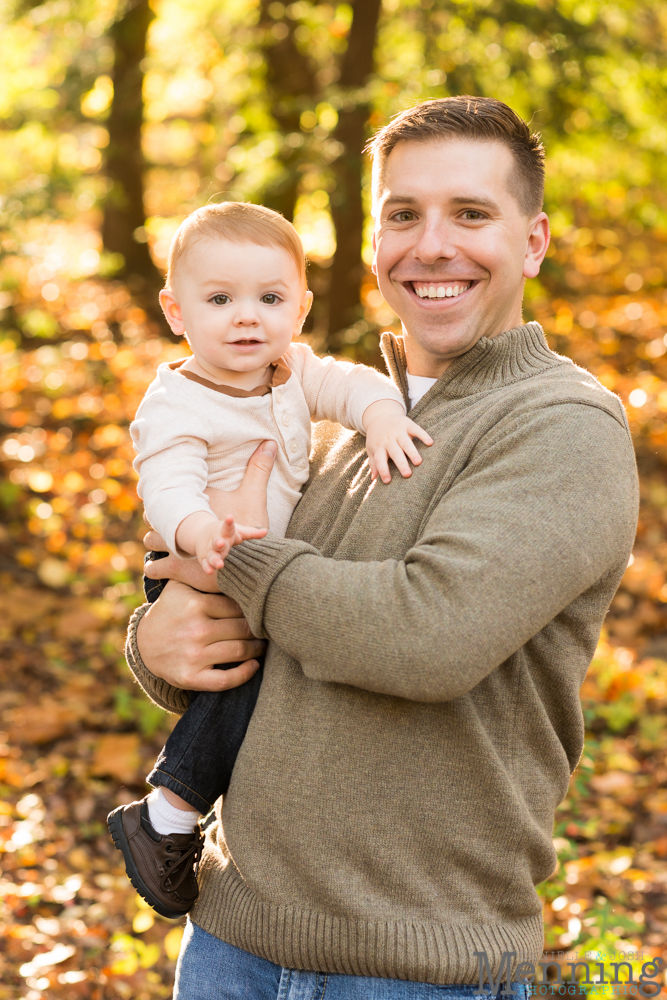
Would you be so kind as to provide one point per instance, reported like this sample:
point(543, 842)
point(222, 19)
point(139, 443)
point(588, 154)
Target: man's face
point(452, 246)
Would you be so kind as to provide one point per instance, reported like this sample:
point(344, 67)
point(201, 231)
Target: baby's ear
point(304, 309)
point(172, 311)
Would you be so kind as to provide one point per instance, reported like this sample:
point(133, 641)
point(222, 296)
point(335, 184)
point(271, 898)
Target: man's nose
point(434, 242)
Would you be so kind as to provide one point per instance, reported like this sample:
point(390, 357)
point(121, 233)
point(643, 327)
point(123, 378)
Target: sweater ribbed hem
point(423, 952)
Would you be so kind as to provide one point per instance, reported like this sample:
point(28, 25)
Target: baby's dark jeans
point(197, 760)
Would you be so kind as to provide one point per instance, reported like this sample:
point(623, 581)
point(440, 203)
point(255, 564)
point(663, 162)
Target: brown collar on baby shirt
point(280, 374)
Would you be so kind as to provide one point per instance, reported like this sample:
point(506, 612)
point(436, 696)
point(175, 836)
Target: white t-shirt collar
point(418, 386)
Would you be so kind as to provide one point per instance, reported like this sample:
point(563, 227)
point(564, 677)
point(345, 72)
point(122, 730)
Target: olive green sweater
point(391, 809)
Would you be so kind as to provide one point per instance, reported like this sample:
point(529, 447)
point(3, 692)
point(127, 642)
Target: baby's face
point(239, 304)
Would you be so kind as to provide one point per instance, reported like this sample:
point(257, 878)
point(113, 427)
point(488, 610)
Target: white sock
point(166, 818)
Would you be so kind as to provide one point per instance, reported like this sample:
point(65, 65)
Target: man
point(392, 806)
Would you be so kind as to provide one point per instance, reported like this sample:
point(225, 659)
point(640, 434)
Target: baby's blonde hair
point(237, 222)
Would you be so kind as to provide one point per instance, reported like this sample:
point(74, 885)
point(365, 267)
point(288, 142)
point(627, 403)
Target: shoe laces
point(180, 866)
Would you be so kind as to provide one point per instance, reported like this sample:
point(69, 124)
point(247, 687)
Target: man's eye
point(220, 300)
point(269, 299)
point(472, 216)
point(404, 216)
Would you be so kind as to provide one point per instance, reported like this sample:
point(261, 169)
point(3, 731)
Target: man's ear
point(172, 311)
point(374, 244)
point(304, 309)
point(538, 242)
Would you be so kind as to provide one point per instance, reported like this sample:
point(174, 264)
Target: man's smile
point(438, 289)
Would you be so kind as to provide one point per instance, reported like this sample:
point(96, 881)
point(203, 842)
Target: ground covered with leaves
point(78, 736)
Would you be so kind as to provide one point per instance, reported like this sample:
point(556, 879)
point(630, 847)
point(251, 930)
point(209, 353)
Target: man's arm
point(542, 511)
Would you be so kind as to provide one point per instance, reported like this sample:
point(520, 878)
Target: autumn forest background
point(116, 120)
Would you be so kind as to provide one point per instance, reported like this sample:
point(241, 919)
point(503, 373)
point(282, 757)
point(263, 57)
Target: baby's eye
point(270, 299)
point(220, 300)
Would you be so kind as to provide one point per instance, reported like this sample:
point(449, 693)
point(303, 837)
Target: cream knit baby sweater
point(191, 434)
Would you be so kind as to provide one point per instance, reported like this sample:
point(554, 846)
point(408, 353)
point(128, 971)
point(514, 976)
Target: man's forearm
point(501, 556)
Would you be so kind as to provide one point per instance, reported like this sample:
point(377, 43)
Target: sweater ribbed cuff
point(251, 568)
point(159, 691)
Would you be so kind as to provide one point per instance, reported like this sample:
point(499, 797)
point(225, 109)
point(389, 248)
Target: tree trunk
point(124, 206)
point(289, 79)
point(347, 270)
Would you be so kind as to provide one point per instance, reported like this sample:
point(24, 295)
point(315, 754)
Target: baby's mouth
point(440, 289)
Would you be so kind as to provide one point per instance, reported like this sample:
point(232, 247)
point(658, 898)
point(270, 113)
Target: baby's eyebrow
point(217, 283)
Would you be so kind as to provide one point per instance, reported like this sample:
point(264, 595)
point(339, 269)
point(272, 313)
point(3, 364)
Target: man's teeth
point(441, 291)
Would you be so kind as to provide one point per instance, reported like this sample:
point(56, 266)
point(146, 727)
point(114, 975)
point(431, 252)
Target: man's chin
point(444, 340)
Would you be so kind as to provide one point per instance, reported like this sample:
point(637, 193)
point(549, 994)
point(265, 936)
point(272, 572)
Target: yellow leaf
point(74, 482)
point(150, 955)
point(40, 481)
point(79, 859)
point(53, 572)
point(125, 966)
point(112, 487)
point(62, 408)
point(172, 943)
point(143, 921)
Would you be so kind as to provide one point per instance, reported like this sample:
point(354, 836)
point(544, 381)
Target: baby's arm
point(210, 540)
point(172, 435)
point(389, 434)
point(364, 400)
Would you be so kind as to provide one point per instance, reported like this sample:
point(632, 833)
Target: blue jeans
point(209, 969)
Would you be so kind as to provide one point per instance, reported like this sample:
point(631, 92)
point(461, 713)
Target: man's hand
point(247, 504)
point(185, 633)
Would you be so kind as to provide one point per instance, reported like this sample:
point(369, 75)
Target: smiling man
point(457, 231)
point(391, 809)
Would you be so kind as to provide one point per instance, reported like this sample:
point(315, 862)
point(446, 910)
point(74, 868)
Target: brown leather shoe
point(162, 868)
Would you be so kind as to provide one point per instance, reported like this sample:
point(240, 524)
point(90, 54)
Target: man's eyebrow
point(407, 199)
point(399, 199)
point(474, 200)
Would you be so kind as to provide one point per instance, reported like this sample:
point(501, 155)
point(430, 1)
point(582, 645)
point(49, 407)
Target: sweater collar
point(280, 373)
point(493, 362)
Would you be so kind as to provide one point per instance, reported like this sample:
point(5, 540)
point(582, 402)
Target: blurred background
point(118, 119)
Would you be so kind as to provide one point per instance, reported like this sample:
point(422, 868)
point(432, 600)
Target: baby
point(236, 289)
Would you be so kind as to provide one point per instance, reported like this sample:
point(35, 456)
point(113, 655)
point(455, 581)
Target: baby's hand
point(215, 538)
point(389, 434)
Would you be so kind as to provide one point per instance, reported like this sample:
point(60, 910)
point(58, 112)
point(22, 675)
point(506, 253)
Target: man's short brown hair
point(482, 119)
point(238, 222)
